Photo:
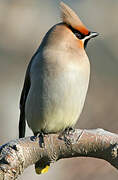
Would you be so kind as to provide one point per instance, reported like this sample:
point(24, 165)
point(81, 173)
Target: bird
point(57, 79)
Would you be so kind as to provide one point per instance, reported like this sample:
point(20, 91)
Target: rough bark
point(18, 154)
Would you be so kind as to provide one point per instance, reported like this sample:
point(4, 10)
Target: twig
point(18, 154)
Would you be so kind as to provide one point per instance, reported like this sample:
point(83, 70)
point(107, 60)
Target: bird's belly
point(56, 103)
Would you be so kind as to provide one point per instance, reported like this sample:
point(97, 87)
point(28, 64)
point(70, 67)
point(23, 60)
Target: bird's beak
point(89, 36)
point(93, 34)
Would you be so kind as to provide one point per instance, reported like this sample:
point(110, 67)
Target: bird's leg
point(67, 136)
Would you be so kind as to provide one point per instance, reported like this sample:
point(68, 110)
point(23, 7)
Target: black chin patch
point(85, 43)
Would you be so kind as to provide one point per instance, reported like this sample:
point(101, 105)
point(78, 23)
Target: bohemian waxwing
point(57, 79)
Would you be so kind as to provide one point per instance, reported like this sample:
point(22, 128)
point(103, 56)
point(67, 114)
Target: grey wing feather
point(25, 91)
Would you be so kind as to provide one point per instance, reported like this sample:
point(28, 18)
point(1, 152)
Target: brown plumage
point(57, 79)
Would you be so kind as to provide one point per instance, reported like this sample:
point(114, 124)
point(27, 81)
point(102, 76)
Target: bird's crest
point(70, 17)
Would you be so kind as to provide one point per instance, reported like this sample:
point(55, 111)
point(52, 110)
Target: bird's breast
point(57, 95)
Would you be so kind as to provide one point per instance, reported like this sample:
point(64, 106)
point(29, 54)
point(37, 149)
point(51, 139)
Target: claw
point(67, 136)
point(39, 135)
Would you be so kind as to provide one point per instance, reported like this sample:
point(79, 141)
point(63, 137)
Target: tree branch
point(18, 154)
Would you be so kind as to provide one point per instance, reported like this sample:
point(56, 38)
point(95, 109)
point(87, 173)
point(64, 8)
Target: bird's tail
point(22, 124)
point(41, 168)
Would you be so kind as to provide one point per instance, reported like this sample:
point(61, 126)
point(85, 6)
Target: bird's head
point(74, 24)
point(70, 34)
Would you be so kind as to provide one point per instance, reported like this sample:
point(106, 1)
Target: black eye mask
point(77, 33)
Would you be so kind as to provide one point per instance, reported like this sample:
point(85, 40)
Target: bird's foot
point(40, 136)
point(41, 139)
point(67, 136)
point(69, 131)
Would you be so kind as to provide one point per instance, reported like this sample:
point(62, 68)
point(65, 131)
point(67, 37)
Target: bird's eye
point(78, 35)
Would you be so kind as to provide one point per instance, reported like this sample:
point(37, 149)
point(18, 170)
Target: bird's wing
point(25, 91)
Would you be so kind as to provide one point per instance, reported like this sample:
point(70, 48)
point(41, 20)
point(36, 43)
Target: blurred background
point(22, 26)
